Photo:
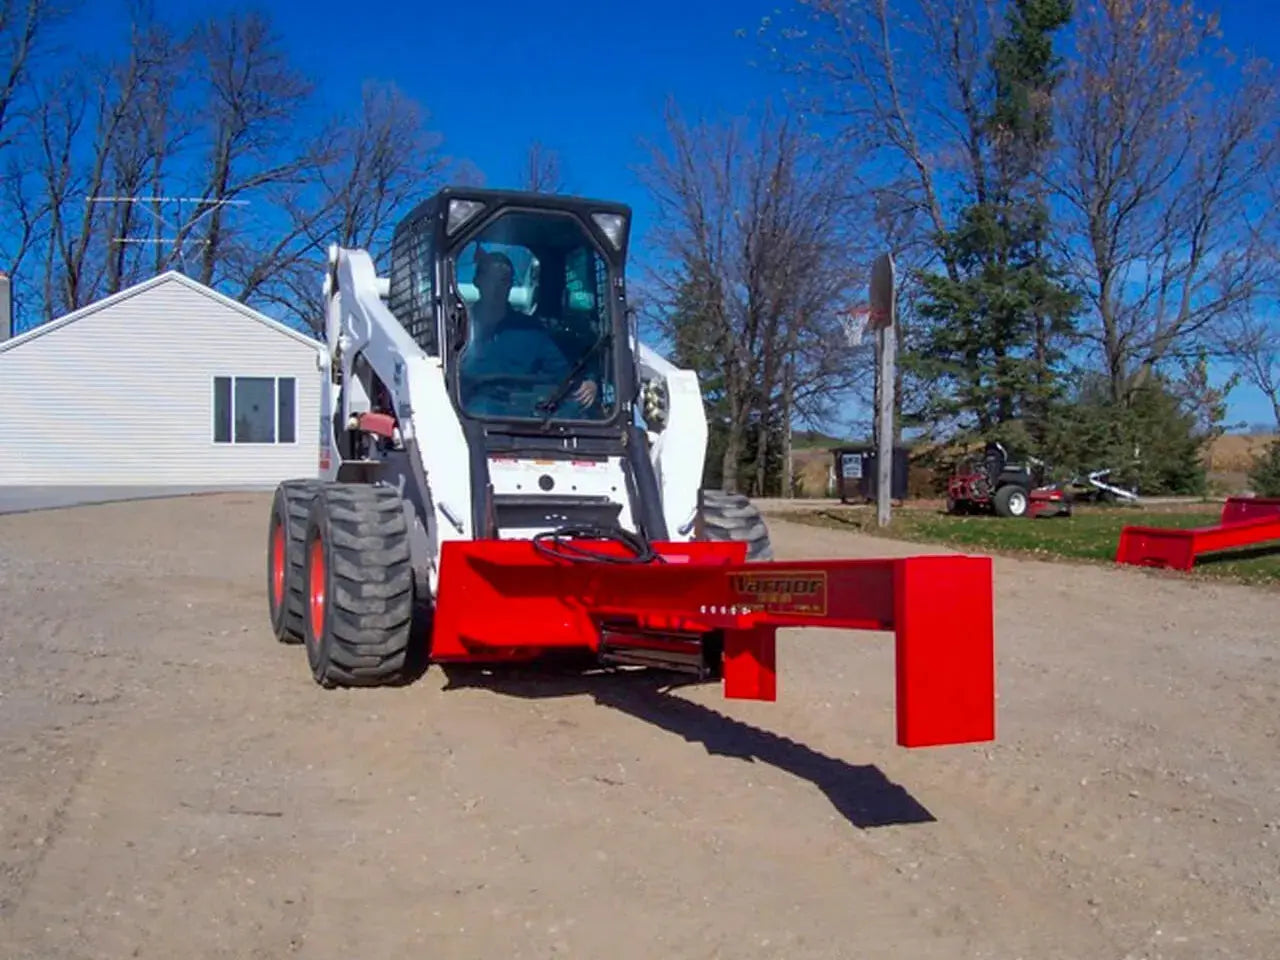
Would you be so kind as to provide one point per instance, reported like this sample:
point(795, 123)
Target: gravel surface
point(172, 783)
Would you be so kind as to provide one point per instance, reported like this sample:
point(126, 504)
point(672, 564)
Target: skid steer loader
point(505, 471)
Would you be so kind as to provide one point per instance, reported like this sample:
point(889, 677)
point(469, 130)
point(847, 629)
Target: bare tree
point(1157, 174)
point(93, 137)
point(1254, 343)
point(26, 212)
point(251, 114)
point(905, 85)
point(542, 170)
point(217, 114)
point(59, 119)
point(754, 217)
point(905, 81)
point(370, 170)
point(151, 133)
point(26, 31)
point(1155, 179)
point(24, 25)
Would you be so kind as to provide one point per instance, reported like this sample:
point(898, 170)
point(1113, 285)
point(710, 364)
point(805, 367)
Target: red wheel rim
point(316, 591)
point(277, 565)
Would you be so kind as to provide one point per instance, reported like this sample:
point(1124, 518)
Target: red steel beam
point(1174, 549)
point(503, 599)
point(1161, 547)
point(1249, 508)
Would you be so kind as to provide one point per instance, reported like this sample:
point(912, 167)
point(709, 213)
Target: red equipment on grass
point(995, 485)
point(1245, 521)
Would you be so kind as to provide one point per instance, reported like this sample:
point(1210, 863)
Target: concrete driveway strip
point(26, 498)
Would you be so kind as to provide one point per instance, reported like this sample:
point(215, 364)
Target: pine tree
point(1265, 474)
point(994, 334)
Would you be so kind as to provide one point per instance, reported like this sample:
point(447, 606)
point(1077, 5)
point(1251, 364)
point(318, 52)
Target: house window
point(255, 410)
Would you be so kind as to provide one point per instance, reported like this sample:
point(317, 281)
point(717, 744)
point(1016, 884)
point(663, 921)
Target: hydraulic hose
point(641, 550)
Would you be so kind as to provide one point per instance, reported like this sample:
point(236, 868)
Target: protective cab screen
point(539, 342)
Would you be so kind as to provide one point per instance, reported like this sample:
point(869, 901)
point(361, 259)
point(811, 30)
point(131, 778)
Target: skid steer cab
point(505, 472)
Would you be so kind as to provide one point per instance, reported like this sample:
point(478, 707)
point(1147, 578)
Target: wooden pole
point(788, 467)
point(884, 309)
point(884, 455)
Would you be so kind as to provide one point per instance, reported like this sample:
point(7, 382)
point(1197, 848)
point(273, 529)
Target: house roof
point(169, 276)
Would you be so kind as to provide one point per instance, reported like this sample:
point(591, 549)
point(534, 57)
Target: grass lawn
point(1089, 535)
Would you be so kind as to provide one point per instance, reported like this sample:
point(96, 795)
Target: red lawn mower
point(995, 485)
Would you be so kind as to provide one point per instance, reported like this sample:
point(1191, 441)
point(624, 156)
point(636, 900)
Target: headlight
point(654, 403)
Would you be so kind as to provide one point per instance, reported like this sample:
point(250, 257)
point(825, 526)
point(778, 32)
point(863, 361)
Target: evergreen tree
point(1155, 443)
point(1265, 475)
point(998, 320)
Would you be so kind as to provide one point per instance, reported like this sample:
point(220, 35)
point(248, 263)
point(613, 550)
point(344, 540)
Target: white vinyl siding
point(124, 394)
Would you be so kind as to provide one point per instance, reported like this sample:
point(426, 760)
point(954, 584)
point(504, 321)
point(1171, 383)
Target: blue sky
point(587, 78)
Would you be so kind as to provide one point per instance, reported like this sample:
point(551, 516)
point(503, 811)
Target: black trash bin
point(858, 475)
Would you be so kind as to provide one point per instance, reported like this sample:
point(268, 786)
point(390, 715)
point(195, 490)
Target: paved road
point(22, 499)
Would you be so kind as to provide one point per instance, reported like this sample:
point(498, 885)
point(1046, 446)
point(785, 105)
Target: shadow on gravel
point(861, 793)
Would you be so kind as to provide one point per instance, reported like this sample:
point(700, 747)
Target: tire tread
point(297, 494)
point(371, 596)
point(732, 516)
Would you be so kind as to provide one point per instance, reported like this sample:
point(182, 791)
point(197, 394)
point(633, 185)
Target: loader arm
point(677, 427)
point(429, 470)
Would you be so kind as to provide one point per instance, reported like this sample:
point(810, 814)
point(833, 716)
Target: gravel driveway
point(174, 784)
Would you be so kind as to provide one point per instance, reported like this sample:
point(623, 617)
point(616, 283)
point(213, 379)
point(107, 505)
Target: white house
point(167, 383)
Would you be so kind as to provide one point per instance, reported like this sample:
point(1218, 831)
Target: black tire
point(285, 551)
point(1011, 501)
point(731, 516)
point(359, 587)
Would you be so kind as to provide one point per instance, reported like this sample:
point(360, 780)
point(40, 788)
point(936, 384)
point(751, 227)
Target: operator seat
point(996, 459)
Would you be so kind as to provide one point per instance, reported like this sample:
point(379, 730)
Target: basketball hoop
point(855, 323)
point(883, 292)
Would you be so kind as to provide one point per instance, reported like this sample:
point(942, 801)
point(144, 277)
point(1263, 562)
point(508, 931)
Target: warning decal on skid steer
point(325, 427)
point(795, 591)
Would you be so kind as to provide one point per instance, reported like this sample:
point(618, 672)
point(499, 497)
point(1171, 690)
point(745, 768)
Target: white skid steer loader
point(505, 471)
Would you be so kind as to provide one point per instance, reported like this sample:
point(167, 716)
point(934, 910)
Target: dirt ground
point(172, 783)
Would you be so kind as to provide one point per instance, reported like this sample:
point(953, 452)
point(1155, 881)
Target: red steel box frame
point(1245, 521)
point(508, 600)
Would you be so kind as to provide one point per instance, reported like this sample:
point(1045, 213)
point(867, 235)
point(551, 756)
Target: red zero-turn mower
point(994, 485)
point(495, 511)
